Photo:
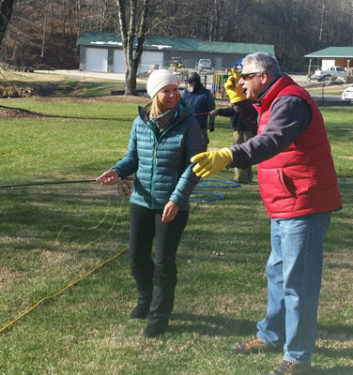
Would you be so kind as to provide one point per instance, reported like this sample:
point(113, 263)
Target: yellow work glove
point(211, 162)
point(234, 91)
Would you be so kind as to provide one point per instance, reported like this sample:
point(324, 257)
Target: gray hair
point(264, 62)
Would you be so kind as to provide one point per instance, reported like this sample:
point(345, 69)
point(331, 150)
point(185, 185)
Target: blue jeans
point(294, 271)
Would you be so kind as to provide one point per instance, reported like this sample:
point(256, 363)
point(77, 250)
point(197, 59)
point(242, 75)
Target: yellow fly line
point(89, 228)
point(53, 128)
point(11, 323)
point(123, 187)
point(8, 325)
point(34, 140)
point(109, 230)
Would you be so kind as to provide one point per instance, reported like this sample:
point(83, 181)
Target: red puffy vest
point(300, 180)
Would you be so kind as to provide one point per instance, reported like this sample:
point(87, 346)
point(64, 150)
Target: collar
point(165, 119)
point(265, 90)
point(271, 91)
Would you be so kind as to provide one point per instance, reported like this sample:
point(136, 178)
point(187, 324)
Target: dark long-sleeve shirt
point(290, 116)
point(235, 122)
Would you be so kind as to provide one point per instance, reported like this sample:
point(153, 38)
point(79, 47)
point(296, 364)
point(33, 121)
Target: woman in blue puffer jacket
point(163, 138)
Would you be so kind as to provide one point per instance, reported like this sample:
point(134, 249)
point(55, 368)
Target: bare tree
point(218, 10)
point(295, 27)
point(349, 5)
point(45, 21)
point(5, 16)
point(322, 23)
point(133, 24)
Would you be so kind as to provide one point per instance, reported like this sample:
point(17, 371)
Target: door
point(96, 59)
point(118, 61)
point(149, 58)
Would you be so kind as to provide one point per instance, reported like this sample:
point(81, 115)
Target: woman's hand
point(170, 211)
point(109, 177)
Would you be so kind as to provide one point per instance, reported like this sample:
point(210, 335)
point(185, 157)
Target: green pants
point(242, 175)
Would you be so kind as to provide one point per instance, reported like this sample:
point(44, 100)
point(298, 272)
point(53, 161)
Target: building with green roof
point(332, 56)
point(103, 52)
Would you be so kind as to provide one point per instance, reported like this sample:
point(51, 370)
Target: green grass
point(75, 107)
point(52, 235)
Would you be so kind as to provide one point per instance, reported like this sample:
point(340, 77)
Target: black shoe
point(291, 368)
point(155, 329)
point(140, 311)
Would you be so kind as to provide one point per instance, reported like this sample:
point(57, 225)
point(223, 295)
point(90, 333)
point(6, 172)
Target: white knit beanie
point(160, 78)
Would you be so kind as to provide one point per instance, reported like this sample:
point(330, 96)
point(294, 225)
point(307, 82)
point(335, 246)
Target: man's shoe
point(291, 368)
point(140, 311)
point(253, 345)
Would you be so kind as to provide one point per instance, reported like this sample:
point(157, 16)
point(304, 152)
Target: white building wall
point(327, 64)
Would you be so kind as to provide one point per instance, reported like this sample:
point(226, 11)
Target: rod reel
point(125, 187)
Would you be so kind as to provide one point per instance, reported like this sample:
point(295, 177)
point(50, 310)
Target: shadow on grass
point(341, 332)
point(33, 219)
point(336, 370)
point(211, 325)
point(337, 332)
point(220, 326)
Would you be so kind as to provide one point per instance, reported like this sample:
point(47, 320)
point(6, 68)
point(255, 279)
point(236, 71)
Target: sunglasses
point(245, 76)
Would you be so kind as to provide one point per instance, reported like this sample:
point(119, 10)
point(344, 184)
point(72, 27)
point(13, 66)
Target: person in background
point(299, 188)
point(200, 102)
point(240, 134)
point(163, 138)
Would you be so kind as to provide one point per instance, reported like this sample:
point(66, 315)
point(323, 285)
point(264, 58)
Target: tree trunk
point(130, 80)
point(44, 28)
point(129, 29)
point(322, 23)
point(78, 24)
point(5, 16)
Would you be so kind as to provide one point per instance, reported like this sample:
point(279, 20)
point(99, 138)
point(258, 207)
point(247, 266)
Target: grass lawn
point(52, 235)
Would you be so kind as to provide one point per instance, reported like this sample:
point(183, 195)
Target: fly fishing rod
point(40, 183)
point(124, 185)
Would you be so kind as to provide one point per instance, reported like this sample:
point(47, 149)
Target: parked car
point(347, 94)
point(333, 73)
point(204, 64)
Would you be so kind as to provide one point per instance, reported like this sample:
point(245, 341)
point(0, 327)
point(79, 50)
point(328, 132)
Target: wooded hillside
point(43, 33)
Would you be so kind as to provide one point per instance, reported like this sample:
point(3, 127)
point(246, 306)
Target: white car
point(204, 64)
point(347, 94)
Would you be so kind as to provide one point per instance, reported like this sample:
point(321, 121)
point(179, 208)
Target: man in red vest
point(298, 185)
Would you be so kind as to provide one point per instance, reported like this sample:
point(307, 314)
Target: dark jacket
point(235, 122)
point(199, 103)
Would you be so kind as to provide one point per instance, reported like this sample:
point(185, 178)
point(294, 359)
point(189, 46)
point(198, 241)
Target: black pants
point(155, 280)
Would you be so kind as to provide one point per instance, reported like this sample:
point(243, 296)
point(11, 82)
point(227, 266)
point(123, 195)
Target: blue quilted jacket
point(161, 160)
